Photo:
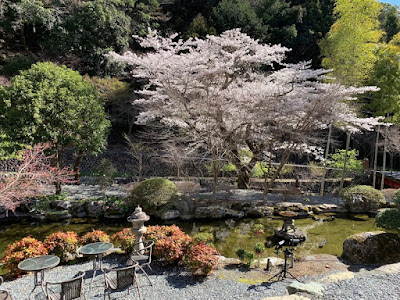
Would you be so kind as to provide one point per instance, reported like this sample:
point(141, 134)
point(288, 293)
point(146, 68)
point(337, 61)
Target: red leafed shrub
point(94, 237)
point(62, 244)
point(18, 251)
point(170, 242)
point(201, 259)
point(125, 239)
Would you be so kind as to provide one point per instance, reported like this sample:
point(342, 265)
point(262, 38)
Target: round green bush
point(388, 219)
point(362, 198)
point(396, 197)
point(155, 195)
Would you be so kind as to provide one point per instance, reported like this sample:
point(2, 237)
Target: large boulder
point(94, 209)
point(210, 212)
point(372, 248)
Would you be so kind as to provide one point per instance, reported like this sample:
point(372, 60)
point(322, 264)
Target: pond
point(322, 237)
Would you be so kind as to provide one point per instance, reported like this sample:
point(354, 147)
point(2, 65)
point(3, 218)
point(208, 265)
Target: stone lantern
point(137, 218)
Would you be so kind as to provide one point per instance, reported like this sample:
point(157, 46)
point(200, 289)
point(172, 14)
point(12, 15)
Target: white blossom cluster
point(232, 92)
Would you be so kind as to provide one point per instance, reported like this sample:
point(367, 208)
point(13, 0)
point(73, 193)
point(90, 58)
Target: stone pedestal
point(137, 219)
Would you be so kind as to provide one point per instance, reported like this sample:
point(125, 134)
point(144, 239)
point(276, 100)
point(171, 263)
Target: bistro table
point(96, 250)
point(37, 265)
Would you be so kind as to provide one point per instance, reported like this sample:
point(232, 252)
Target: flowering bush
point(94, 236)
point(170, 242)
point(201, 259)
point(116, 205)
point(62, 244)
point(18, 251)
point(125, 239)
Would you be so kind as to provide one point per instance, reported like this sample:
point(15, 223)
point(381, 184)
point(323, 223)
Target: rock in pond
point(372, 248)
point(170, 214)
point(94, 209)
point(210, 212)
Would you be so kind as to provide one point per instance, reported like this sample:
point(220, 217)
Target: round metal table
point(96, 250)
point(37, 265)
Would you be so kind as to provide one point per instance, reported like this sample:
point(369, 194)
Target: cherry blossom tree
point(228, 93)
point(34, 172)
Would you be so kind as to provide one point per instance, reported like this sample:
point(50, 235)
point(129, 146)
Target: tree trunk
point(215, 178)
point(321, 191)
point(384, 159)
point(284, 160)
point(376, 157)
point(57, 183)
point(345, 160)
point(140, 171)
point(77, 166)
point(243, 180)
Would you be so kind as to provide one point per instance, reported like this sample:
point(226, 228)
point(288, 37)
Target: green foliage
point(362, 197)
point(12, 65)
point(154, 195)
point(199, 27)
point(386, 75)
point(390, 21)
point(106, 171)
point(396, 197)
point(52, 103)
point(229, 14)
point(348, 48)
point(388, 219)
point(353, 165)
point(116, 206)
point(259, 248)
point(203, 238)
point(262, 169)
point(279, 20)
point(245, 256)
point(25, 21)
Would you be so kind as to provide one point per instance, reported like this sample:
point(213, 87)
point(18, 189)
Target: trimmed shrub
point(396, 197)
point(388, 219)
point(62, 244)
point(155, 195)
point(170, 242)
point(94, 237)
point(125, 239)
point(201, 259)
point(18, 251)
point(362, 198)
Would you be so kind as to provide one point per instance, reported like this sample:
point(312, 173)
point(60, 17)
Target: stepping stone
point(314, 288)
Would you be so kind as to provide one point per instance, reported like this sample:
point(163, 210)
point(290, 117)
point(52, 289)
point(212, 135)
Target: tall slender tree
point(349, 46)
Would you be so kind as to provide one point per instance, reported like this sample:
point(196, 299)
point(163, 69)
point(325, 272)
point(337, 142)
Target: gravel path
point(368, 287)
point(169, 283)
point(177, 283)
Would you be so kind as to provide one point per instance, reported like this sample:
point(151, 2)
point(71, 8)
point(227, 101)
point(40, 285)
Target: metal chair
point(4, 295)
point(124, 279)
point(143, 256)
point(70, 289)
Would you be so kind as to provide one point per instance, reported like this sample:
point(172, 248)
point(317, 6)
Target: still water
point(322, 237)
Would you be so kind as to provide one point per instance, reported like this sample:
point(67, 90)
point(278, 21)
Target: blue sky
point(393, 2)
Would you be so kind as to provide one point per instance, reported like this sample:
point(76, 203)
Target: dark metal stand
point(282, 274)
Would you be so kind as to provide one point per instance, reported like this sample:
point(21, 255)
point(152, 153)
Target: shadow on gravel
point(358, 268)
point(180, 281)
